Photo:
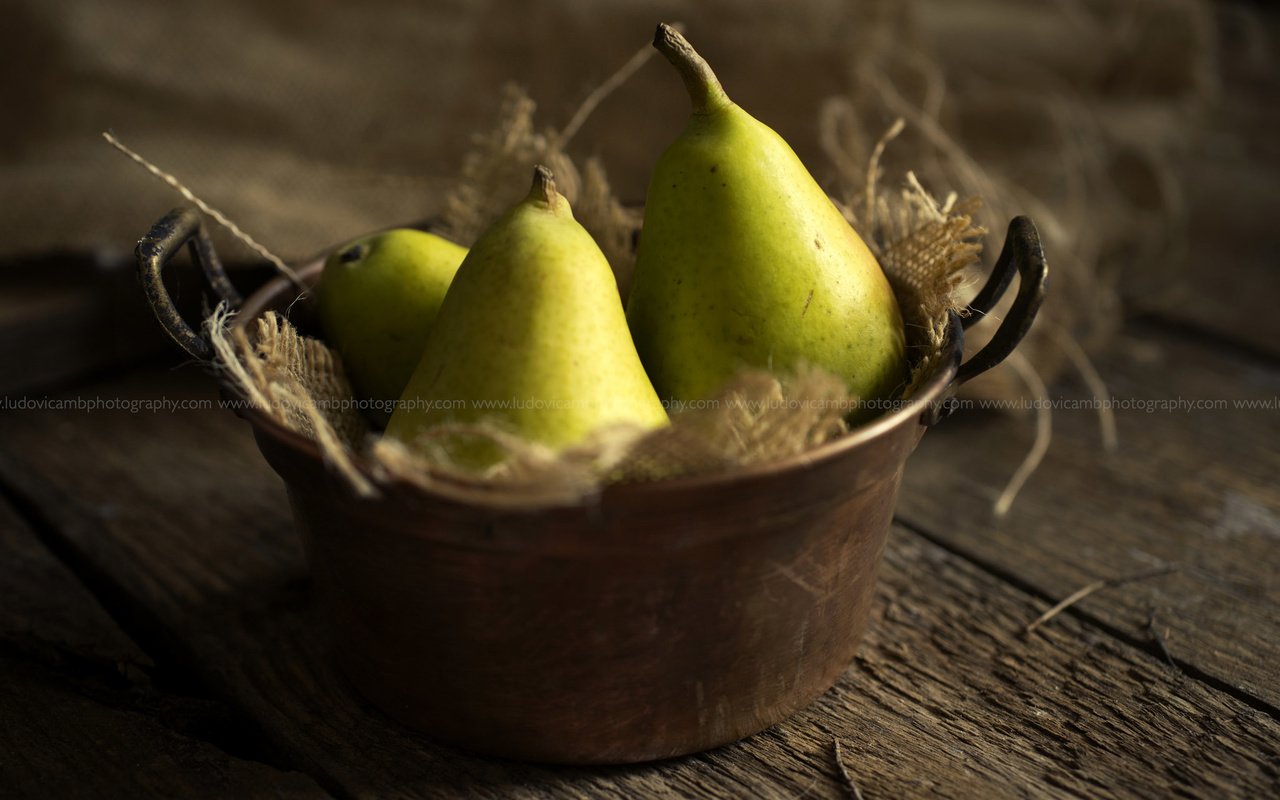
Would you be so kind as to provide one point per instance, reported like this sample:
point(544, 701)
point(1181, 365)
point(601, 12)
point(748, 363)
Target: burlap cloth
point(313, 122)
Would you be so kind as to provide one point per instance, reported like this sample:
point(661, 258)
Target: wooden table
point(156, 635)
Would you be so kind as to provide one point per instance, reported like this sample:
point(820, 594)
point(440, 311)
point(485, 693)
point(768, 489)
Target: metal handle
point(181, 226)
point(1023, 255)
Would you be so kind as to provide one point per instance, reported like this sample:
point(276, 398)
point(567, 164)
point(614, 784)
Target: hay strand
point(1044, 435)
point(1093, 379)
point(610, 85)
point(222, 219)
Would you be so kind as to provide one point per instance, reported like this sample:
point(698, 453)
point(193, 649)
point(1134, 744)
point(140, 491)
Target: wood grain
point(47, 615)
point(1191, 487)
point(81, 717)
point(946, 699)
point(57, 743)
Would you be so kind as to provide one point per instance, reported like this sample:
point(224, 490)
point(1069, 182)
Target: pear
point(531, 336)
point(378, 297)
point(744, 261)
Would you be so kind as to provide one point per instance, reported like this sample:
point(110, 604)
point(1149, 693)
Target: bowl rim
point(474, 492)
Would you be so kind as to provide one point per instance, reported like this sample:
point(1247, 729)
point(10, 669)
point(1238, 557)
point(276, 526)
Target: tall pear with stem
point(531, 338)
point(744, 261)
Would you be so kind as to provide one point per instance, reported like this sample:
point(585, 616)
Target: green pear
point(744, 261)
point(531, 336)
point(378, 297)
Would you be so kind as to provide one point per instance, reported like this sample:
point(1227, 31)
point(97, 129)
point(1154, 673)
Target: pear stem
point(705, 91)
point(544, 187)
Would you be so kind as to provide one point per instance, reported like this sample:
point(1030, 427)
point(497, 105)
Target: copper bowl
point(654, 620)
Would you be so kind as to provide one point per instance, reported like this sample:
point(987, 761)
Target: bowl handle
point(181, 226)
point(1024, 255)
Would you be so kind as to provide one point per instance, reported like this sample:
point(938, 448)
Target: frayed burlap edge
point(755, 419)
point(495, 176)
point(297, 382)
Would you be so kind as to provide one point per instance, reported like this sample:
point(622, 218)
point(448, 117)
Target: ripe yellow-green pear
point(378, 297)
point(531, 336)
point(744, 261)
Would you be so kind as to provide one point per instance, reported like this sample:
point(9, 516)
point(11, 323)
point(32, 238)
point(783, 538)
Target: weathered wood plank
point(1195, 487)
point(80, 716)
point(46, 614)
point(57, 743)
point(946, 699)
point(979, 710)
